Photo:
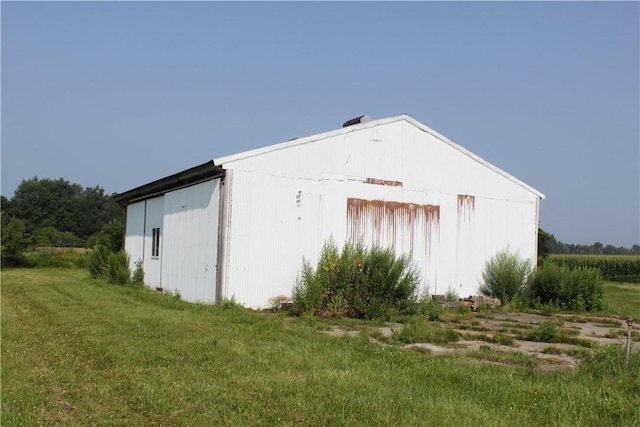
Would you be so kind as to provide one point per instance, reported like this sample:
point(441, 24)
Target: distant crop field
point(77, 351)
point(619, 268)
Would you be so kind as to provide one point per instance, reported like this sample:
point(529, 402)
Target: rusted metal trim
point(377, 181)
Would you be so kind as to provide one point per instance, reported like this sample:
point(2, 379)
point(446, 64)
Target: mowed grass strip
point(81, 352)
point(623, 299)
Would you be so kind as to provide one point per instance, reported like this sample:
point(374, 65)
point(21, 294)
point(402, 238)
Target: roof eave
point(192, 176)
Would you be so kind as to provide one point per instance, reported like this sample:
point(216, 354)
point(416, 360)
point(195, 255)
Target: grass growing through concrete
point(77, 351)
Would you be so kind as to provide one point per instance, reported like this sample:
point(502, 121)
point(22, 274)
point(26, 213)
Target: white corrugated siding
point(134, 234)
point(190, 241)
point(285, 202)
point(274, 222)
point(153, 264)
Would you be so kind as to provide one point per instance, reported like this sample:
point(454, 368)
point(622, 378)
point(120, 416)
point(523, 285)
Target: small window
point(155, 242)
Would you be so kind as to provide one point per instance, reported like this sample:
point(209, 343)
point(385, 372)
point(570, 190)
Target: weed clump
point(421, 330)
point(357, 282)
point(547, 331)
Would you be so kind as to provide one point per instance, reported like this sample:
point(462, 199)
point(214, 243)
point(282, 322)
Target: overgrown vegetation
point(573, 290)
point(357, 282)
point(505, 275)
point(55, 258)
point(421, 330)
point(113, 266)
point(608, 362)
point(546, 331)
point(550, 287)
point(80, 352)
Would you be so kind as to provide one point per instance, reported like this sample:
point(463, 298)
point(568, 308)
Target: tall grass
point(421, 330)
point(55, 258)
point(77, 351)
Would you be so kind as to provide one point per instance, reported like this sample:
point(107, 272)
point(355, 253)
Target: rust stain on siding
point(466, 206)
point(383, 182)
point(387, 222)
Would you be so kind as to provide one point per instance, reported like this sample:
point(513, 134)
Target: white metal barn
point(239, 226)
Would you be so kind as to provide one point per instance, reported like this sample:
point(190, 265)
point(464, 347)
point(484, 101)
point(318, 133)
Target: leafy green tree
point(94, 209)
point(50, 237)
point(6, 205)
point(598, 248)
point(65, 207)
point(46, 203)
point(544, 248)
point(110, 236)
point(13, 240)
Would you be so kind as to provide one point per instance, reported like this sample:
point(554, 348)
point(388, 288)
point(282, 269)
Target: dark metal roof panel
point(195, 175)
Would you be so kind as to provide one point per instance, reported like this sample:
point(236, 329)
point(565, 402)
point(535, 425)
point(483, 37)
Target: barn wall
point(394, 185)
point(190, 241)
point(274, 222)
point(153, 219)
point(134, 233)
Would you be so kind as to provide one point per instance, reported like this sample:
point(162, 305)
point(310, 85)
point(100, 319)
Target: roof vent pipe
point(361, 119)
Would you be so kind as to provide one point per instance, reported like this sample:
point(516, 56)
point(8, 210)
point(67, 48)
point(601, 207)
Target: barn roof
point(368, 124)
point(215, 168)
point(195, 175)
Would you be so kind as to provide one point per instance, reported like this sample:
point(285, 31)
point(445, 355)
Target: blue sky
point(119, 94)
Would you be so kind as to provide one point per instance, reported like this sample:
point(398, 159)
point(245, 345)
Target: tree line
point(557, 247)
point(45, 213)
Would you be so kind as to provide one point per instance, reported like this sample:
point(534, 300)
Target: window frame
point(155, 242)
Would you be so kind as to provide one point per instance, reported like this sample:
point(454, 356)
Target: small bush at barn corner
point(505, 276)
point(112, 266)
point(357, 282)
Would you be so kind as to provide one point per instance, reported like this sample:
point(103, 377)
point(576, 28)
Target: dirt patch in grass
point(503, 332)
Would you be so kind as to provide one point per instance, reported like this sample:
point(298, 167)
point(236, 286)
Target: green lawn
point(81, 352)
point(623, 299)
